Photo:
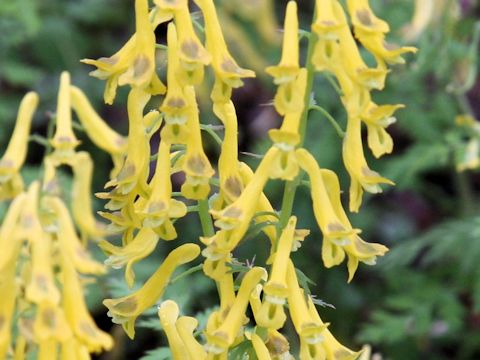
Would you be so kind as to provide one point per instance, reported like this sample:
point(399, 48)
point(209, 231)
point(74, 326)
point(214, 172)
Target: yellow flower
point(193, 56)
point(275, 292)
point(139, 248)
point(168, 313)
point(10, 236)
point(309, 329)
point(361, 176)
point(134, 63)
point(231, 184)
point(179, 332)
point(329, 20)
point(64, 140)
point(97, 129)
point(74, 349)
point(47, 349)
point(364, 19)
point(175, 106)
point(82, 209)
point(68, 239)
point(9, 291)
point(221, 338)
point(11, 182)
point(133, 176)
point(50, 323)
point(377, 118)
point(160, 208)
point(195, 163)
point(125, 310)
point(339, 236)
point(261, 349)
point(284, 74)
point(332, 347)
point(76, 311)
point(288, 137)
point(228, 74)
point(241, 210)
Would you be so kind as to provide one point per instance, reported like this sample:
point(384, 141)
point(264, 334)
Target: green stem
point(330, 118)
point(210, 130)
point(291, 186)
point(205, 218)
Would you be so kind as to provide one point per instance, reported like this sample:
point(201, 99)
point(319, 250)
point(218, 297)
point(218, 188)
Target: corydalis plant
point(142, 207)
point(45, 255)
point(144, 211)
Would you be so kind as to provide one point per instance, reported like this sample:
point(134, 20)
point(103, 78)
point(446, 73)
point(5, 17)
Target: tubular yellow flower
point(168, 313)
point(361, 176)
point(139, 248)
point(186, 326)
point(50, 323)
point(11, 182)
point(371, 30)
point(97, 129)
point(47, 349)
point(275, 292)
point(135, 169)
point(228, 74)
point(41, 288)
point(328, 21)
point(278, 345)
point(68, 239)
point(364, 19)
point(333, 349)
point(64, 140)
point(377, 118)
point(261, 349)
point(339, 236)
point(288, 68)
point(308, 328)
point(195, 163)
point(242, 209)
point(175, 106)
point(74, 349)
point(160, 208)
point(328, 219)
point(231, 184)
point(82, 210)
point(134, 63)
point(10, 240)
point(76, 311)
point(193, 56)
point(9, 291)
point(125, 310)
point(223, 337)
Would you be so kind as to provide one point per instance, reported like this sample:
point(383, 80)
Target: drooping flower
point(221, 338)
point(288, 99)
point(228, 74)
point(134, 63)
point(340, 237)
point(160, 208)
point(125, 310)
point(195, 163)
point(275, 292)
point(175, 106)
point(82, 209)
point(179, 333)
point(361, 176)
point(64, 141)
point(378, 118)
point(11, 182)
point(97, 129)
point(139, 248)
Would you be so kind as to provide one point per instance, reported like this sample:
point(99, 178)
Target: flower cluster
point(142, 207)
point(44, 260)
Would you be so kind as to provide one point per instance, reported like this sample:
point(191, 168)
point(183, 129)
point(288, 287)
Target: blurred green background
point(422, 300)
